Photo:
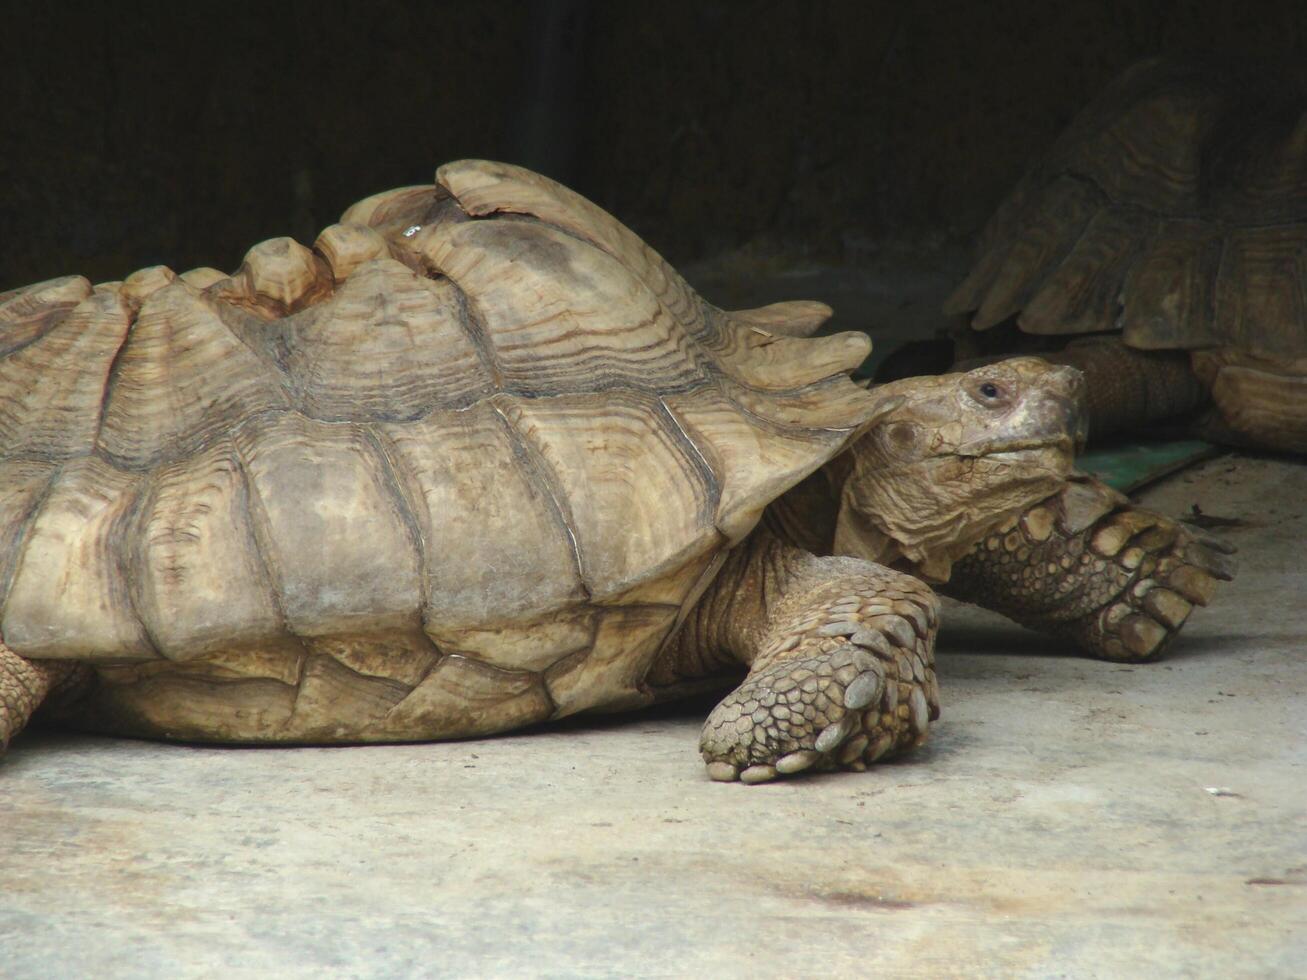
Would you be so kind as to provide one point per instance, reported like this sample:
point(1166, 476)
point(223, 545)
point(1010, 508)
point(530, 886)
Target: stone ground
point(1068, 818)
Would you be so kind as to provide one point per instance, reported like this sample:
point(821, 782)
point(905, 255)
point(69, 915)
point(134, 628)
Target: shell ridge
point(398, 486)
point(127, 544)
point(110, 377)
point(224, 310)
point(54, 314)
point(18, 552)
point(110, 381)
point(61, 418)
point(712, 480)
point(263, 546)
point(473, 325)
point(545, 480)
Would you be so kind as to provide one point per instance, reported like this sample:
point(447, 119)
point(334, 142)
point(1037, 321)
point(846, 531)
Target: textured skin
point(24, 685)
point(1087, 566)
point(1126, 388)
point(959, 453)
point(1173, 209)
point(841, 662)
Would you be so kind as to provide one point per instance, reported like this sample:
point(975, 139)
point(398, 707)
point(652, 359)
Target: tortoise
point(1173, 213)
point(480, 459)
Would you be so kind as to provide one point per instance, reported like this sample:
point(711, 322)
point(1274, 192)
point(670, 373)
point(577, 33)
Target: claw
point(899, 630)
point(879, 747)
point(864, 689)
point(722, 772)
point(1142, 636)
point(796, 761)
point(758, 774)
point(1192, 583)
point(873, 641)
point(911, 611)
point(836, 732)
point(920, 711)
point(1216, 563)
point(1167, 607)
point(854, 749)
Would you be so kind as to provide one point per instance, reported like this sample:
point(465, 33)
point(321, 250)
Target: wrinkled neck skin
point(963, 454)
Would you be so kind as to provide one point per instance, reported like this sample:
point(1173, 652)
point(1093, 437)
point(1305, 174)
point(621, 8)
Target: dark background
point(182, 134)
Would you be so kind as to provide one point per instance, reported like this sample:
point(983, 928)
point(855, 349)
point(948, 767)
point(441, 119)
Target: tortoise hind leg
point(841, 657)
point(1128, 389)
point(25, 685)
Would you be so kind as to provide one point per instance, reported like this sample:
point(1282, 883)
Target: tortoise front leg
point(840, 654)
point(24, 685)
point(1088, 565)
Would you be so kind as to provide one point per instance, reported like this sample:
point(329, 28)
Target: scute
point(758, 461)
point(460, 469)
point(51, 389)
point(201, 583)
point(69, 595)
point(558, 314)
point(484, 188)
point(1167, 297)
point(639, 498)
point(181, 377)
point(30, 311)
point(331, 527)
point(389, 344)
point(1083, 292)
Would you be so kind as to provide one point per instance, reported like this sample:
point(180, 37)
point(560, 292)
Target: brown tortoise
point(481, 458)
point(1173, 210)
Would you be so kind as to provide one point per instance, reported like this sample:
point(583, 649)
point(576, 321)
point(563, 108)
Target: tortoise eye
point(989, 389)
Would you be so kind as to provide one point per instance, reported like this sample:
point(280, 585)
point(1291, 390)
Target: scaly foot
point(837, 689)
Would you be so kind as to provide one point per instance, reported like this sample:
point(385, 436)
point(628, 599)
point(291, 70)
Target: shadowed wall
point(186, 134)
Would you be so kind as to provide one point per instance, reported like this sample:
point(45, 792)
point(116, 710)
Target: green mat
point(1127, 466)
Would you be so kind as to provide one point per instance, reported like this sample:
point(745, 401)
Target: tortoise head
point(956, 455)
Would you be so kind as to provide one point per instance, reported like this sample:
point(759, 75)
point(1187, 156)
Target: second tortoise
point(1167, 227)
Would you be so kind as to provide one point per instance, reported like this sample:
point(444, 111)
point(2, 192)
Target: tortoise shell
point(461, 466)
point(1173, 209)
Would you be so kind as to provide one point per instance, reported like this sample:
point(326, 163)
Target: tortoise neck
point(804, 516)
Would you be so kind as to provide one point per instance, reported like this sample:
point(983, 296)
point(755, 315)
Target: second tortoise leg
point(841, 662)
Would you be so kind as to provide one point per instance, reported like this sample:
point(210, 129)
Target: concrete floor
point(1068, 818)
